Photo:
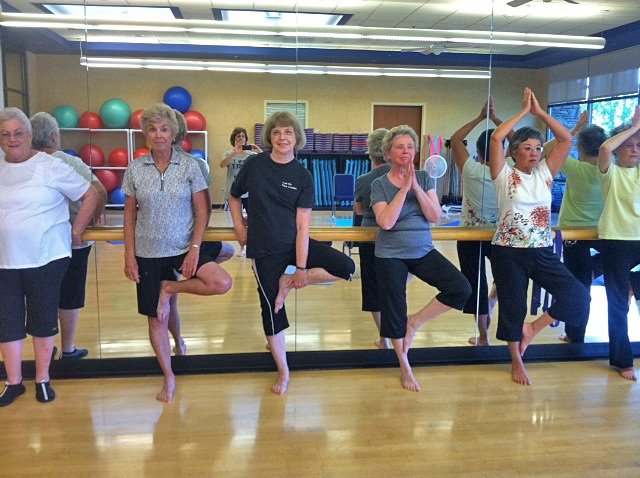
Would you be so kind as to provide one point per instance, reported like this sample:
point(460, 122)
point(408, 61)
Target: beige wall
point(336, 104)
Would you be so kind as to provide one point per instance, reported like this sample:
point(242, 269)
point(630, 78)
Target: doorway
point(388, 116)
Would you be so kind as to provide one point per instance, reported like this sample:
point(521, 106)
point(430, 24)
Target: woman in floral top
point(522, 245)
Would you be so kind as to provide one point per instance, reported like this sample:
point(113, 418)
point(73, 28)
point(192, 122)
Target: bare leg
point(43, 348)
point(225, 254)
point(382, 342)
point(211, 279)
point(518, 372)
point(160, 343)
point(482, 321)
point(277, 346)
point(531, 329)
point(407, 378)
point(317, 275)
point(628, 373)
point(175, 327)
point(433, 309)
point(68, 324)
point(12, 357)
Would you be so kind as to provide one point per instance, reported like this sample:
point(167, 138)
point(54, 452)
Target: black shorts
point(34, 291)
point(154, 270)
point(211, 249)
point(74, 282)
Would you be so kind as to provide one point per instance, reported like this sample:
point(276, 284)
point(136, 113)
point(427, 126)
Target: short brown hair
point(283, 118)
point(236, 131)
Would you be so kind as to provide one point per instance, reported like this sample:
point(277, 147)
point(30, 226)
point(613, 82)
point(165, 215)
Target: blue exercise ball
point(117, 196)
point(178, 98)
point(115, 113)
point(199, 153)
point(66, 116)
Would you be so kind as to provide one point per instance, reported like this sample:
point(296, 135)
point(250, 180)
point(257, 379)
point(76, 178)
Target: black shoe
point(10, 393)
point(44, 392)
point(75, 355)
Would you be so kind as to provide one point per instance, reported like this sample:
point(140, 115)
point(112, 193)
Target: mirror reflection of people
point(277, 233)
point(619, 233)
point(405, 203)
point(366, 250)
point(479, 209)
point(219, 251)
point(36, 238)
point(521, 248)
point(46, 138)
point(166, 214)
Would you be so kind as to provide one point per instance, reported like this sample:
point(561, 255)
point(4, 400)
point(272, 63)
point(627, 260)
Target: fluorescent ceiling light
point(262, 19)
point(287, 36)
point(112, 12)
point(281, 69)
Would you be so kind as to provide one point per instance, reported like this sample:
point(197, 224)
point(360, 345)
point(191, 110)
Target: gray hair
point(45, 131)
point(374, 144)
point(393, 133)
point(158, 113)
point(523, 134)
point(182, 126)
point(7, 114)
point(283, 118)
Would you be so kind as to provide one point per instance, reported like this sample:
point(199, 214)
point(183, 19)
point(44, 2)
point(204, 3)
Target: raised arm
point(460, 151)
point(583, 120)
point(496, 162)
point(558, 155)
point(609, 146)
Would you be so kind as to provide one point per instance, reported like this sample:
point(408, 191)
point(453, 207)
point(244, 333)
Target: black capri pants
point(434, 269)
point(471, 255)
point(368, 277)
point(269, 269)
point(74, 282)
point(512, 269)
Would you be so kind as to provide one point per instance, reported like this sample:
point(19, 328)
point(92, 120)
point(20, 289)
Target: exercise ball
point(66, 116)
point(92, 155)
point(134, 122)
point(116, 196)
point(119, 158)
point(90, 120)
point(109, 179)
point(195, 121)
point(115, 113)
point(178, 98)
point(70, 152)
point(198, 152)
point(186, 144)
point(140, 152)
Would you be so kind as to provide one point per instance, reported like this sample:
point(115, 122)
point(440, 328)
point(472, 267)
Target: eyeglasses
point(528, 149)
point(630, 146)
point(7, 135)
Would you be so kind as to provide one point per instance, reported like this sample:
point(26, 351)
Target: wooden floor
point(578, 419)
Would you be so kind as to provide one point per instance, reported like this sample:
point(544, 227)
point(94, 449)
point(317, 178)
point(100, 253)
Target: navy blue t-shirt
point(276, 191)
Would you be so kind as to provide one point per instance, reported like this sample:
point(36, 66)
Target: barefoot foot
point(409, 334)
point(409, 382)
point(628, 373)
point(180, 348)
point(478, 341)
point(382, 344)
point(280, 387)
point(163, 302)
point(565, 338)
point(519, 374)
point(285, 287)
point(527, 336)
point(167, 391)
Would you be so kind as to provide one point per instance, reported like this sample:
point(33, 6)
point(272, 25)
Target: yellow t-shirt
point(620, 217)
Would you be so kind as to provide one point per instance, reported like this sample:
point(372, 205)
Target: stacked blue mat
point(323, 171)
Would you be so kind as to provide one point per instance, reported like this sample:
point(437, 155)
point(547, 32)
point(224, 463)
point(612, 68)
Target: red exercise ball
point(186, 144)
point(119, 158)
point(109, 179)
point(195, 121)
point(140, 152)
point(134, 122)
point(90, 120)
point(92, 155)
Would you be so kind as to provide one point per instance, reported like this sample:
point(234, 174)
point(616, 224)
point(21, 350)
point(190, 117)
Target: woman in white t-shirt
point(522, 245)
point(619, 233)
point(36, 238)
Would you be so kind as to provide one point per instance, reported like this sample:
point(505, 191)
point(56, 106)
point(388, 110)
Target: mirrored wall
point(323, 317)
